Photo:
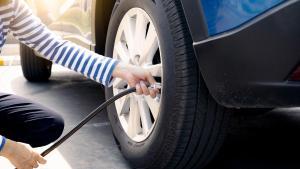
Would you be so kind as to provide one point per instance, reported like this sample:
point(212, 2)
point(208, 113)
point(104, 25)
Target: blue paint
point(224, 15)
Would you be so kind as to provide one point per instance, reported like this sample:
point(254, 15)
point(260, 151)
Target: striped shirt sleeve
point(29, 30)
point(2, 143)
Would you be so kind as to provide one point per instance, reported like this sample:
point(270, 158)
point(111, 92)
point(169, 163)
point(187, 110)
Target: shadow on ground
point(268, 141)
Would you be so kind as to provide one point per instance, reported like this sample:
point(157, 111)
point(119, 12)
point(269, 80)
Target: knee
point(56, 128)
point(50, 133)
point(58, 124)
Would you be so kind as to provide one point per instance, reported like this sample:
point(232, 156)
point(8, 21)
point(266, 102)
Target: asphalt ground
point(261, 141)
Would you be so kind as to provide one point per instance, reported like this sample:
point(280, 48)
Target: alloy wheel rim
point(137, 43)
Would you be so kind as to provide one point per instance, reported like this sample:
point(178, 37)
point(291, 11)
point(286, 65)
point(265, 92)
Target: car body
point(70, 19)
point(248, 51)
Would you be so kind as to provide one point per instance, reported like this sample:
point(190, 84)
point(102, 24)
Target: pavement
point(72, 96)
point(265, 141)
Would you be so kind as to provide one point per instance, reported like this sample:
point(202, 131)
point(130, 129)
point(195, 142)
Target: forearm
point(74, 57)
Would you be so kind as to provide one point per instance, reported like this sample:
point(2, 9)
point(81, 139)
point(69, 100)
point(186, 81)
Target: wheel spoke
point(122, 105)
point(155, 70)
point(119, 83)
point(140, 31)
point(122, 52)
point(134, 118)
point(137, 43)
point(150, 46)
point(153, 105)
point(145, 115)
point(129, 33)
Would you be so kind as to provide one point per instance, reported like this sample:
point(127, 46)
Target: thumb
point(150, 78)
point(41, 159)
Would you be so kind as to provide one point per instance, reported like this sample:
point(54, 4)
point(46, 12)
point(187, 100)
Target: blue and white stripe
point(29, 30)
point(2, 142)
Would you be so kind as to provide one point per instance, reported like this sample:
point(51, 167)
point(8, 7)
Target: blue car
point(212, 57)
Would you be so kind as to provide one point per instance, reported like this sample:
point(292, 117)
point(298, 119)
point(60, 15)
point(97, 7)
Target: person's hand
point(136, 77)
point(21, 155)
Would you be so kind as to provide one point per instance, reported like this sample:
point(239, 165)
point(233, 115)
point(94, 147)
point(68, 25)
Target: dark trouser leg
point(24, 121)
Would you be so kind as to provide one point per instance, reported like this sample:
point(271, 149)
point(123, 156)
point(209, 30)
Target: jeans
point(25, 121)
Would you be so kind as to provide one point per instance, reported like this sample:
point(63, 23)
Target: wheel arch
point(102, 10)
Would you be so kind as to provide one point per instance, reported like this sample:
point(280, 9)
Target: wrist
point(120, 70)
point(7, 148)
point(2, 142)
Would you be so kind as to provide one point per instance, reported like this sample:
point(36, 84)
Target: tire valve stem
point(156, 86)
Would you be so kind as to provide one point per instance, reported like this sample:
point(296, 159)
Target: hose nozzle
point(155, 86)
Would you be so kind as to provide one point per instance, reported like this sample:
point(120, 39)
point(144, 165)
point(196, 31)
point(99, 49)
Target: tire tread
point(192, 121)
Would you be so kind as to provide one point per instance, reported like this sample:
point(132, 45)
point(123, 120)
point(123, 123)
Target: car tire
point(35, 68)
point(191, 126)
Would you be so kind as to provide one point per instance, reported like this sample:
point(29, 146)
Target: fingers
point(35, 161)
point(146, 91)
point(139, 90)
point(144, 88)
point(139, 77)
point(150, 78)
point(27, 166)
point(24, 157)
point(152, 93)
point(34, 164)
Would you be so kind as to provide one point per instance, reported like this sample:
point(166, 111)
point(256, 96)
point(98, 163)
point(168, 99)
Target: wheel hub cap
point(137, 43)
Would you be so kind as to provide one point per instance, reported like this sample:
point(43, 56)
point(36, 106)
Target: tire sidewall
point(145, 152)
point(35, 68)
